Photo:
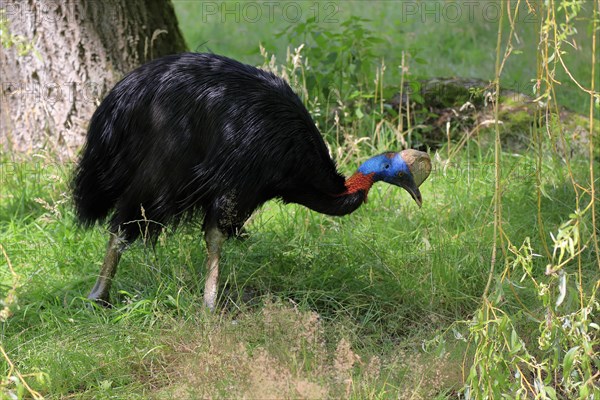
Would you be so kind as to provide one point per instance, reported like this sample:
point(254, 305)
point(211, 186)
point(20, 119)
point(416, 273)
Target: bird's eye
point(386, 166)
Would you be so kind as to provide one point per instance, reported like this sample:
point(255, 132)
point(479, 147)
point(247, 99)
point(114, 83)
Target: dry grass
point(428, 376)
point(282, 352)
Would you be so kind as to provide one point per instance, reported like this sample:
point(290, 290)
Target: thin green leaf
point(569, 360)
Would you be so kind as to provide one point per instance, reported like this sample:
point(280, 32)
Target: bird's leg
point(214, 242)
point(100, 291)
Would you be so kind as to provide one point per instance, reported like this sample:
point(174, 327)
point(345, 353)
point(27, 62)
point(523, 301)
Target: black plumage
point(202, 133)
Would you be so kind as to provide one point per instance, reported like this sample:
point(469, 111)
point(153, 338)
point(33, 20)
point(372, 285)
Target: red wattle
point(359, 181)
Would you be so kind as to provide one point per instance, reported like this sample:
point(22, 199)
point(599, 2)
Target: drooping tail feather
point(92, 201)
point(98, 179)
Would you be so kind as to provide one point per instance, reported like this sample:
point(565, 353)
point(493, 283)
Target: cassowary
point(203, 133)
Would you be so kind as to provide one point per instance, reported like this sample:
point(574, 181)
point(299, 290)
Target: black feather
point(201, 132)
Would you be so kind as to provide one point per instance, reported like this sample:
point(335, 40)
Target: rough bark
point(70, 54)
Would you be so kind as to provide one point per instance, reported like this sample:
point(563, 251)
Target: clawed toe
point(101, 302)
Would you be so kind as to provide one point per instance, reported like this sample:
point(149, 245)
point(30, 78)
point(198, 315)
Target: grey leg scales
point(214, 242)
point(100, 291)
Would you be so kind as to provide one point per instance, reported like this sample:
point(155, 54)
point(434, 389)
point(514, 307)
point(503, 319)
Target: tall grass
point(559, 359)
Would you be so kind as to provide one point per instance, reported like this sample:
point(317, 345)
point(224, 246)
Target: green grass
point(386, 278)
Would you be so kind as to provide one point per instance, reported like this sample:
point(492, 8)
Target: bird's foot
point(100, 299)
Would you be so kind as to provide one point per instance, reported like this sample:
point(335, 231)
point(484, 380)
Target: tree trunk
point(59, 58)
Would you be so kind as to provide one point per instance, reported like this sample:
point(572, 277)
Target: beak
point(419, 165)
point(414, 191)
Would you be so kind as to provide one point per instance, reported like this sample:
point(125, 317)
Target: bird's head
point(407, 169)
